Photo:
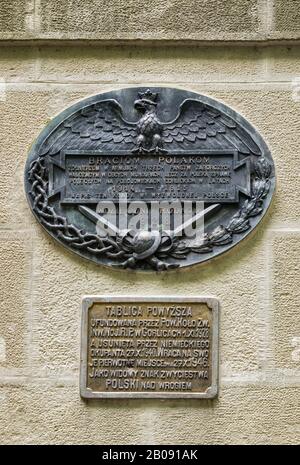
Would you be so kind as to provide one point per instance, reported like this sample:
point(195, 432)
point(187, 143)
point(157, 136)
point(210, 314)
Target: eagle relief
point(149, 179)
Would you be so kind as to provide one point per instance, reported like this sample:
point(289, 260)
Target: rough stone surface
point(15, 292)
point(253, 414)
point(132, 64)
point(285, 297)
point(12, 17)
point(61, 417)
point(287, 15)
point(283, 64)
point(172, 20)
point(259, 415)
point(17, 63)
point(242, 66)
point(26, 111)
point(156, 19)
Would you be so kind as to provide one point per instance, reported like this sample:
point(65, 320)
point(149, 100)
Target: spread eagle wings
point(93, 128)
point(196, 126)
point(200, 125)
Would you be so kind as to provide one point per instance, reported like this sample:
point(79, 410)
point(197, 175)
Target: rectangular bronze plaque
point(149, 347)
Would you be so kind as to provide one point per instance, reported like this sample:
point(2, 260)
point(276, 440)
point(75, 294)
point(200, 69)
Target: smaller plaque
point(156, 347)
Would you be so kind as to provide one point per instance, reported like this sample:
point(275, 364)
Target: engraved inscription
point(208, 177)
point(149, 347)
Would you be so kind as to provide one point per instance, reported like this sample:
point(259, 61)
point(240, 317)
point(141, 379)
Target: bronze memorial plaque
point(149, 179)
point(149, 347)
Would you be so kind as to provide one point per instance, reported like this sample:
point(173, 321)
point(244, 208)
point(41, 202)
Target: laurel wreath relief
point(124, 249)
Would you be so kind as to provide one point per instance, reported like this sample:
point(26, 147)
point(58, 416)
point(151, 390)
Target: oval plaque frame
point(88, 151)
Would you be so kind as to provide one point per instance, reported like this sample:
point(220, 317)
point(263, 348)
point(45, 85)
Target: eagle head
point(146, 101)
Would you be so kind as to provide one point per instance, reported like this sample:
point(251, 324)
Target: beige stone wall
point(154, 20)
point(258, 283)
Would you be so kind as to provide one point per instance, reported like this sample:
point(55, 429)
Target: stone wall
point(42, 284)
point(179, 20)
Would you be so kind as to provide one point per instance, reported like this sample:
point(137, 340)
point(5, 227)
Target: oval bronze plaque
point(149, 179)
